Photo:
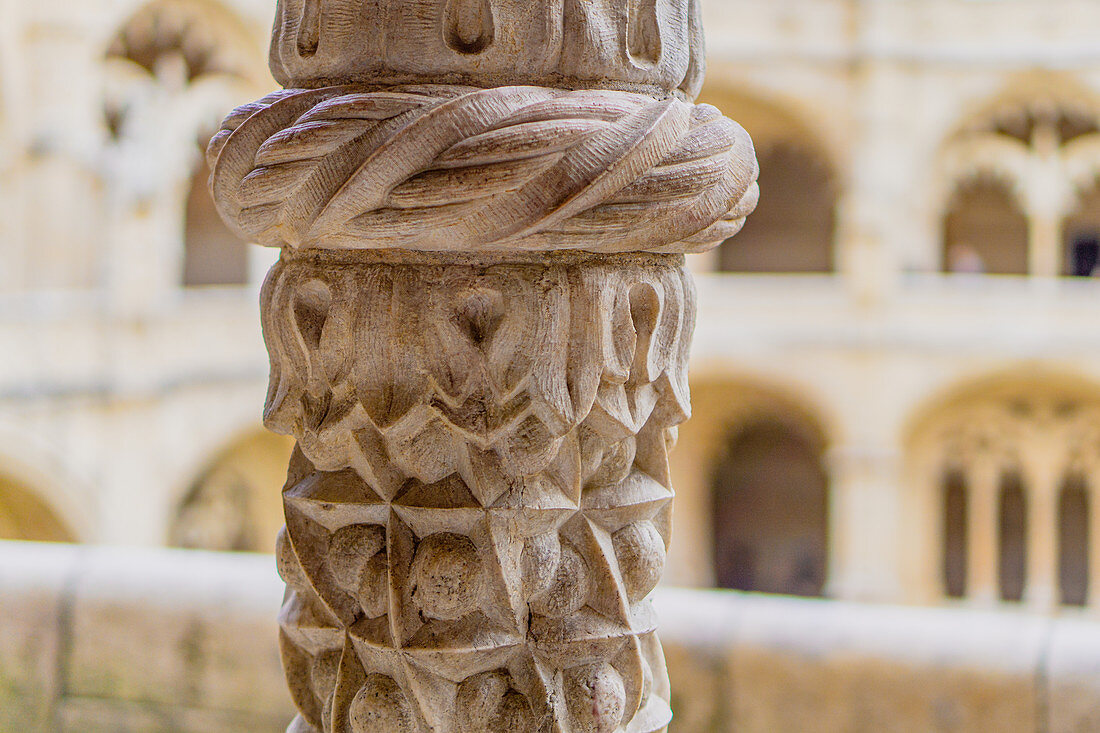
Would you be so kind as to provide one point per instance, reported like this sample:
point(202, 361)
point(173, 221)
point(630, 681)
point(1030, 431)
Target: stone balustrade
point(105, 639)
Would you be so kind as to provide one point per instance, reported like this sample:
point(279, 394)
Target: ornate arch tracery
point(1040, 433)
point(171, 69)
point(1040, 140)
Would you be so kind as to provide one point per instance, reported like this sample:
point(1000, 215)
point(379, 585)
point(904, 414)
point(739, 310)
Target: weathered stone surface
point(464, 169)
point(111, 715)
point(197, 645)
point(33, 612)
point(1072, 676)
point(653, 44)
point(739, 663)
point(480, 487)
point(829, 666)
point(478, 331)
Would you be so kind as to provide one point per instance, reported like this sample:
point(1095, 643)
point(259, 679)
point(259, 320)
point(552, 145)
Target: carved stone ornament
point(479, 332)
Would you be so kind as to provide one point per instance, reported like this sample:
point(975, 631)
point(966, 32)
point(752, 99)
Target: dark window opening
point(1012, 566)
point(212, 253)
point(1084, 256)
point(1081, 233)
point(1073, 542)
point(771, 512)
point(792, 229)
point(985, 232)
point(955, 516)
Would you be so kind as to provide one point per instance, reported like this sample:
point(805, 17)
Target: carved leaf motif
point(506, 359)
point(644, 32)
point(692, 82)
point(309, 28)
point(469, 25)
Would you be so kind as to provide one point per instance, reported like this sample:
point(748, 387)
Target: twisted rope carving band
point(452, 168)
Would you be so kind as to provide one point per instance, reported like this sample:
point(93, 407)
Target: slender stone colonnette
point(479, 330)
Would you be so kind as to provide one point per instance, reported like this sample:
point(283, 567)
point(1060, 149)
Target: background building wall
point(131, 382)
point(87, 647)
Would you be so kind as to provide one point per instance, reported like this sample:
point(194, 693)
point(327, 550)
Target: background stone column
point(983, 512)
point(479, 330)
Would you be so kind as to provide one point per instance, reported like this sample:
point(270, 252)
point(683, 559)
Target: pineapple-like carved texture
point(479, 503)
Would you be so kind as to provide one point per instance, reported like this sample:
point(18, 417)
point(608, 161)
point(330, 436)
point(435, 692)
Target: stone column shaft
point(983, 543)
point(479, 329)
point(1045, 245)
point(1043, 481)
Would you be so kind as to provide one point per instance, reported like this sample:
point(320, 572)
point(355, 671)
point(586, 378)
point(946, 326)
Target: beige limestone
point(641, 43)
point(110, 412)
point(35, 609)
point(111, 415)
point(737, 662)
point(103, 639)
point(479, 329)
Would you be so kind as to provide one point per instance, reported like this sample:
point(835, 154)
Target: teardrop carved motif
point(309, 28)
point(644, 33)
point(469, 26)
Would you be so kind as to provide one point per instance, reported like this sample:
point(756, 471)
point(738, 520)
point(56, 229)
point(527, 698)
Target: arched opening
point(794, 225)
point(1038, 133)
point(25, 516)
point(235, 504)
point(955, 522)
point(985, 231)
point(196, 38)
point(771, 510)
point(155, 59)
point(1081, 236)
point(981, 441)
point(1073, 542)
point(212, 253)
point(792, 229)
point(1012, 538)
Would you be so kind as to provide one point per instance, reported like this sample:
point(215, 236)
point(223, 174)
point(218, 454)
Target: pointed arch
point(25, 514)
point(173, 67)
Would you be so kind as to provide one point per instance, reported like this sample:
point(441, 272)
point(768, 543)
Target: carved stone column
point(479, 332)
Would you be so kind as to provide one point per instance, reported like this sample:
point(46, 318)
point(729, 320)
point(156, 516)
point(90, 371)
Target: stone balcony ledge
point(116, 639)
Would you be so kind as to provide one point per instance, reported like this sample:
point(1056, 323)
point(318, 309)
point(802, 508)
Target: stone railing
point(100, 639)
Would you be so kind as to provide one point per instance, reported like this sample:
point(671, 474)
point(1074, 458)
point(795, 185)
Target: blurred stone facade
point(896, 377)
point(85, 647)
